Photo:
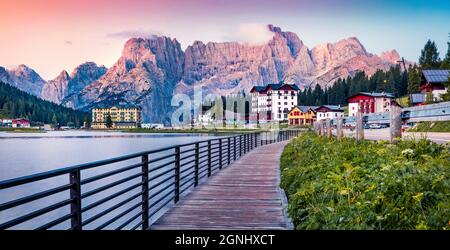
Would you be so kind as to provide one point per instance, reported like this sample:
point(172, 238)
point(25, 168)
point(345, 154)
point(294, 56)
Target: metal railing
point(430, 112)
point(126, 195)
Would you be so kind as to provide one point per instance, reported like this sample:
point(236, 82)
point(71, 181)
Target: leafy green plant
point(366, 185)
point(437, 126)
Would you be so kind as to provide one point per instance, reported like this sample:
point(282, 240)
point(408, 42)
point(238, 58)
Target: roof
point(373, 94)
point(418, 98)
point(273, 86)
point(332, 108)
point(436, 75)
point(306, 108)
point(122, 106)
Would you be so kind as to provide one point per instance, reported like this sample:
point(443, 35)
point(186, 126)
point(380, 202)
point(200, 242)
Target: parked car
point(384, 125)
point(375, 126)
point(366, 126)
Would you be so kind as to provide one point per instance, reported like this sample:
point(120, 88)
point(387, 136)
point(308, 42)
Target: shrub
point(366, 185)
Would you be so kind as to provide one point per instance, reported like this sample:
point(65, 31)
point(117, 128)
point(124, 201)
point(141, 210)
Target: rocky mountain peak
point(274, 28)
point(25, 72)
point(64, 85)
point(26, 79)
point(390, 56)
point(88, 69)
point(63, 75)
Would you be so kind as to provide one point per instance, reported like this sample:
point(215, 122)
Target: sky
point(51, 35)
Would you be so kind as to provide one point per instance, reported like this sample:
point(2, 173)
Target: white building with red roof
point(369, 103)
point(274, 101)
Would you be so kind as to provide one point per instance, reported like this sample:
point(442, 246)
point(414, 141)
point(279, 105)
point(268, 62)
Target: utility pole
point(406, 71)
point(403, 62)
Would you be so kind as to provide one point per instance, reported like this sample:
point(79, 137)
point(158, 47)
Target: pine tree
point(446, 62)
point(54, 121)
point(429, 57)
point(108, 121)
point(446, 96)
point(414, 76)
point(87, 122)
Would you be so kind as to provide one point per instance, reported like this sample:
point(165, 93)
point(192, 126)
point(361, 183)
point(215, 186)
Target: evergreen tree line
point(395, 80)
point(15, 103)
point(392, 81)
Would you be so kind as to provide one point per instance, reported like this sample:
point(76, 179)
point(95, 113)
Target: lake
point(29, 153)
point(24, 154)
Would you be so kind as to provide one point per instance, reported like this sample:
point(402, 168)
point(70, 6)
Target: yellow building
point(122, 117)
point(302, 115)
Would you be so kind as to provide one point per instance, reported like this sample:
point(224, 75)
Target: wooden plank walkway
point(244, 195)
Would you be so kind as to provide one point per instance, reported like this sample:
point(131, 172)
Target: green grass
point(441, 126)
point(345, 110)
point(403, 101)
point(366, 185)
point(22, 130)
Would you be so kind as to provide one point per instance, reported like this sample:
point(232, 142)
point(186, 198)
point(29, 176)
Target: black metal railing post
point(209, 158)
point(220, 153)
point(145, 191)
point(75, 196)
point(177, 174)
point(245, 144)
point(234, 155)
point(197, 152)
point(229, 149)
point(240, 146)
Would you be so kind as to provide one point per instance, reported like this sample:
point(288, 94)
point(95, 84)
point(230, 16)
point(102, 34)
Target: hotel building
point(121, 116)
point(274, 101)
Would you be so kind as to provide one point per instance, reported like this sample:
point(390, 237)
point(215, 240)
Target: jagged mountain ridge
point(151, 70)
point(65, 85)
point(145, 75)
point(23, 78)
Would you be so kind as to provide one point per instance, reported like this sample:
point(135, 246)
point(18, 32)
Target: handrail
point(164, 175)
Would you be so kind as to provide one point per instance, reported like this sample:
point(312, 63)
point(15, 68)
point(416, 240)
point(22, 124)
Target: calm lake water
point(30, 153)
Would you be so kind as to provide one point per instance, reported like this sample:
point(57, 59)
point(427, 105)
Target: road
point(383, 134)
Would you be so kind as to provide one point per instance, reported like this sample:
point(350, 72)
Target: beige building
point(122, 117)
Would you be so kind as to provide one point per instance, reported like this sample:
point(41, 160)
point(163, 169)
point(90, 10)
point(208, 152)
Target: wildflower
point(408, 153)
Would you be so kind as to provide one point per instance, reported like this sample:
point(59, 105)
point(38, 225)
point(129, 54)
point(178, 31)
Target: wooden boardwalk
point(244, 195)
